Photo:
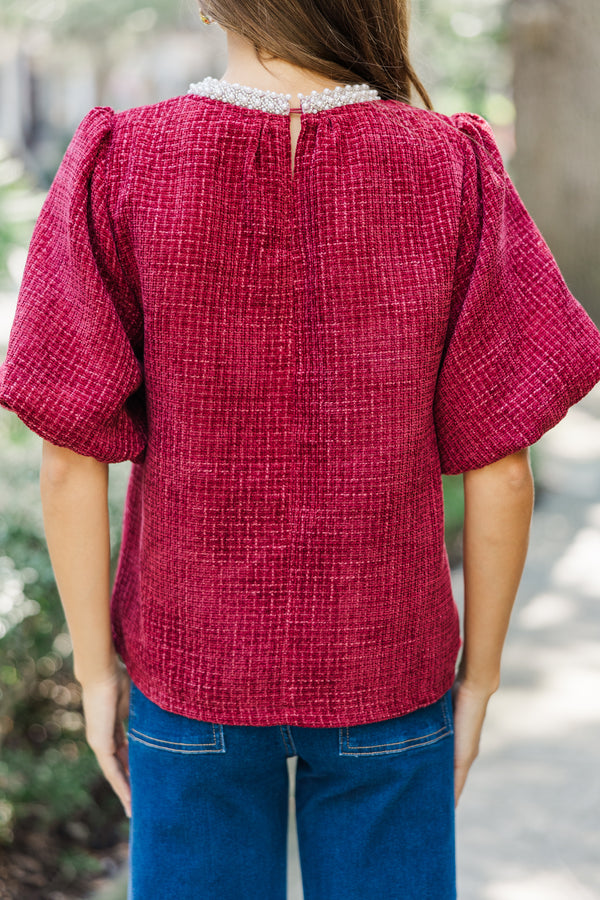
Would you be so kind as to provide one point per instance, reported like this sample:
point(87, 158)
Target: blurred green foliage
point(454, 511)
point(92, 21)
point(459, 50)
point(20, 203)
point(50, 781)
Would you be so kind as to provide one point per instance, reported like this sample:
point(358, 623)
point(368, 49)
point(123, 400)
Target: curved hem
point(378, 710)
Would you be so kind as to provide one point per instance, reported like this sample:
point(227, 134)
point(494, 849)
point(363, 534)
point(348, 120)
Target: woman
point(292, 299)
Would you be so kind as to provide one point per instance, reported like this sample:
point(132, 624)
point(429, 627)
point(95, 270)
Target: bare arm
point(498, 509)
point(74, 492)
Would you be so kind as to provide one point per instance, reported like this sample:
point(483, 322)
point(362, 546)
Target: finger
point(460, 777)
point(123, 757)
point(122, 746)
point(113, 771)
point(123, 708)
point(458, 788)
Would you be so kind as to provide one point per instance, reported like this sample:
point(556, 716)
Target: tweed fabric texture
point(290, 361)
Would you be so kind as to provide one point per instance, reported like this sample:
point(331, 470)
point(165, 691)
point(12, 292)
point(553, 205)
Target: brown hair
point(348, 41)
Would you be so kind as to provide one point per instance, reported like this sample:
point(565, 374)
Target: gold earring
point(206, 20)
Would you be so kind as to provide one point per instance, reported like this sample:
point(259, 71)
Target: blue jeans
point(374, 807)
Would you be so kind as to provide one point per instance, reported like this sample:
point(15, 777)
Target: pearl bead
point(273, 101)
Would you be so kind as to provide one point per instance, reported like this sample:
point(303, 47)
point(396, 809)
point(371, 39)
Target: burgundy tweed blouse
point(290, 362)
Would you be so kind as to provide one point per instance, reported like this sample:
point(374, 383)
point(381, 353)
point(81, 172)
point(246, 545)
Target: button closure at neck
point(279, 103)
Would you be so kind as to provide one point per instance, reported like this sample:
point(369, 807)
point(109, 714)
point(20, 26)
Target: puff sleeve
point(73, 370)
point(519, 348)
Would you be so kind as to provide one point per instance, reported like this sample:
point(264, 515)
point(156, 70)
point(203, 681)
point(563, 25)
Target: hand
point(469, 708)
point(105, 706)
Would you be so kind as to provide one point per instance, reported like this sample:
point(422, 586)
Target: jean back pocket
point(412, 731)
point(160, 729)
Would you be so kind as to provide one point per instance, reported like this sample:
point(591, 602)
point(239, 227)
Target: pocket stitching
point(178, 743)
point(217, 746)
point(172, 750)
point(408, 741)
point(399, 747)
point(346, 749)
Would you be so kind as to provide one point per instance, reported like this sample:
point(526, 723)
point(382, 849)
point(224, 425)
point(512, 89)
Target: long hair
point(348, 41)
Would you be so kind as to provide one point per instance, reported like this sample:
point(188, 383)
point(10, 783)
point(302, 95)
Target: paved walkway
point(528, 821)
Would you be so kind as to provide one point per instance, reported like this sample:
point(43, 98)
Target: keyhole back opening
point(295, 126)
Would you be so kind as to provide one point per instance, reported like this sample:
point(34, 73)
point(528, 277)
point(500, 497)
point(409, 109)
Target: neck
point(244, 67)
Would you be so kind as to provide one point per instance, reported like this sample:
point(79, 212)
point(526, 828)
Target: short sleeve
point(519, 349)
point(73, 370)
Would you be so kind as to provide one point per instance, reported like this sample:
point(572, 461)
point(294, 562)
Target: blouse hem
point(377, 711)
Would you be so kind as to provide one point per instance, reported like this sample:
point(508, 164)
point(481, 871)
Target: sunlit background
point(529, 822)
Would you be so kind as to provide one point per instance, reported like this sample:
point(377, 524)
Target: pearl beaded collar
point(274, 102)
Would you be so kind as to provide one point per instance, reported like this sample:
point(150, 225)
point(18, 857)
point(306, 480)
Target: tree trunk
point(557, 97)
